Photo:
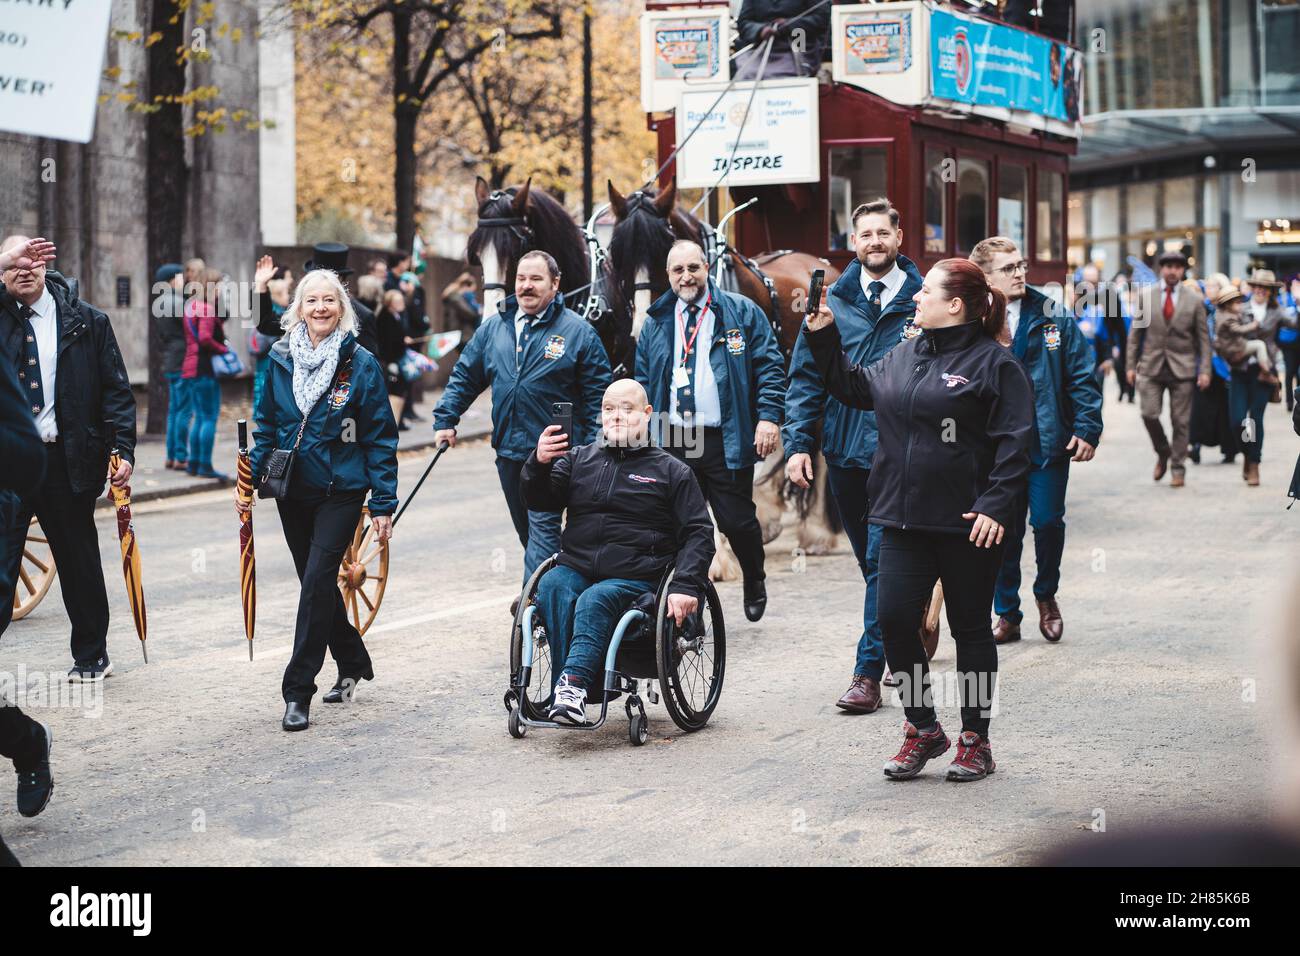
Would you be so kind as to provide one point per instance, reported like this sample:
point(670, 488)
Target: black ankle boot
point(344, 687)
point(295, 716)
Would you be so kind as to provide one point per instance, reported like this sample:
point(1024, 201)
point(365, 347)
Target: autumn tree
point(427, 41)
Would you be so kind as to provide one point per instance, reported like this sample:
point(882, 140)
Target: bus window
point(972, 202)
point(858, 174)
point(1013, 195)
point(936, 203)
point(1050, 206)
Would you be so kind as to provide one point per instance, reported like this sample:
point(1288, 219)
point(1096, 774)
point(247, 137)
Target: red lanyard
point(687, 346)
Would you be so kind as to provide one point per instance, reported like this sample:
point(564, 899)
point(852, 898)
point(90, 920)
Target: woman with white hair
point(325, 437)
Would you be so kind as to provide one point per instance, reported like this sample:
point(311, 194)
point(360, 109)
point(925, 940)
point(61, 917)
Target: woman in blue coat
point(326, 395)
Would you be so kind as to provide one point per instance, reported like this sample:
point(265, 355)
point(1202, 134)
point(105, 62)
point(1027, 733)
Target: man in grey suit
point(1168, 350)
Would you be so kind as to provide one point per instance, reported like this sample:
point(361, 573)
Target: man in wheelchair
point(633, 511)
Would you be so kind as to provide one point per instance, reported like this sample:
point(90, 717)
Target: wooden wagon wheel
point(363, 574)
point(36, 573)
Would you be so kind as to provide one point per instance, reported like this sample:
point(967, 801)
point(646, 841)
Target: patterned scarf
point(313, 368)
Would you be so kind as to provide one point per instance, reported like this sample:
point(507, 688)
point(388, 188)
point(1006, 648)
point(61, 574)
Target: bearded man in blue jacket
point(873, 307)
point(1067, 406)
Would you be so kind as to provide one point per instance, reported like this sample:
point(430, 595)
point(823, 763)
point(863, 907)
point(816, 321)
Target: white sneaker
point(570, 702)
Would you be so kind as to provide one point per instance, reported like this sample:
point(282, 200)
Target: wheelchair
point(648, 648)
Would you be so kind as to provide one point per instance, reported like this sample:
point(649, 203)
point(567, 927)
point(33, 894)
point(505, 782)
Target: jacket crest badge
point(910, 331)
point(1052, 336)
point(554, 347)
point(735, 341)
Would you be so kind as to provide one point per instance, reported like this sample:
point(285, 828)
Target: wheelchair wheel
point(539, 683)
point(691, 659)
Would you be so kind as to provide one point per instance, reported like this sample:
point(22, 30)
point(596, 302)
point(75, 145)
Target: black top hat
point(329, 255)
point(1172, 258)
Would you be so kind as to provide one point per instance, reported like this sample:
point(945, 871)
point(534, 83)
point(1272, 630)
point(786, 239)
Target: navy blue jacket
point(1067, 399)
point(745, 359)
point(562, 360)
point(849, 436)
point(350, 442)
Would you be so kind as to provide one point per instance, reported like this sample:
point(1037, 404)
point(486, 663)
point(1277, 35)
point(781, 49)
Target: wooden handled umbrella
point(247, 562)
point(130, 553)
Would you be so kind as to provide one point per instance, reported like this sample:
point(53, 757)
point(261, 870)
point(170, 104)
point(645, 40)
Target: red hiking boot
point(916, 751)
point(974, 759)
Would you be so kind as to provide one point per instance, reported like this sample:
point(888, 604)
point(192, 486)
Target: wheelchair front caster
point(638, 730)
point(511, 700)
point(518, 729)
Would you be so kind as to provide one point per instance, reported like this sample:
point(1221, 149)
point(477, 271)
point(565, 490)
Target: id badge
point(680, 378)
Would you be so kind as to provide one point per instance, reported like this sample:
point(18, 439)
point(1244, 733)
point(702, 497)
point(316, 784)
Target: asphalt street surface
point(1159, 705)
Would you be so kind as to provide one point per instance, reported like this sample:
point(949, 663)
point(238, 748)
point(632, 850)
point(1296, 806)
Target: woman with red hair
point(956, 416)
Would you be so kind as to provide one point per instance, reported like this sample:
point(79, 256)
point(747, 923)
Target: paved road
point(1169, 602)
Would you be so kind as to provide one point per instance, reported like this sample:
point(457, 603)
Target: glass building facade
point(1191, 134)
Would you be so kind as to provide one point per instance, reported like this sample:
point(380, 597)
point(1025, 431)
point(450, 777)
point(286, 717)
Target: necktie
point(874, 292)
point(686, 394)
point(29, 375)
point(1169, 302)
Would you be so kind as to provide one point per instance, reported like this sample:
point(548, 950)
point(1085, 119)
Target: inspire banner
point(988, 64)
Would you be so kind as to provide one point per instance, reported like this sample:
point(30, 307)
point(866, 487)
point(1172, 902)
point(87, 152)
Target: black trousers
point(319, 529)
point(910, 563)
point(730, 493)
point(68, 523)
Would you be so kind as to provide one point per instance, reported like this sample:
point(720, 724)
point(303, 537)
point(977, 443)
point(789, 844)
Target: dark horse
point(519, 219)
point(648, 222)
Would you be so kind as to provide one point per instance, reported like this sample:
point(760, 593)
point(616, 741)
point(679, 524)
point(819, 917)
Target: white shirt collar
point(893, 280)
point(44, 306)
point(702, 300)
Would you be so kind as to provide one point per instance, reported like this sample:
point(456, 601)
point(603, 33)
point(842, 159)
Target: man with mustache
point(532, 353)
point(709, 358)
point(873, 308)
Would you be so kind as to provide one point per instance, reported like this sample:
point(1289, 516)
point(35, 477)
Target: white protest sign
point(777, 145)
point(51, 58)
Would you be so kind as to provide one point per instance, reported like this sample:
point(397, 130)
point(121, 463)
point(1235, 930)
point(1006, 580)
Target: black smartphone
point(815, 291)
point(562, 415)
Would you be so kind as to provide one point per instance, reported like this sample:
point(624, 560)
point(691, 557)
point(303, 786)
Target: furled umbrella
point(130, 552)
point(247, 562)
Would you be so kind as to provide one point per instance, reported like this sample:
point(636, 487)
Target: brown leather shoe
point(1162, 465)
point(1050, 624)
point(862, 697)
point(1004, 631)
point(1252, 473)
point(1177, 480)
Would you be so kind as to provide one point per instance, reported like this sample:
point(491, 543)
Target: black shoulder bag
point(279, 463)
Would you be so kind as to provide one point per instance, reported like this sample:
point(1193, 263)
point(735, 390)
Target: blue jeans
point(849, 489)
point(178, 418)
point(205, 401)
point(580, 619)
point(1248, 396)
point(1045, 503)
point(539, 531)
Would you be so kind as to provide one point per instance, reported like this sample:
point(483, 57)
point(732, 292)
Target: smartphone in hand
point(562, 415)
point(815, 291)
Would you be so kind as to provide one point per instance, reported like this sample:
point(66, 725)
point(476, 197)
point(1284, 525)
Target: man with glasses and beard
point(873, 307)
point(1067, 407)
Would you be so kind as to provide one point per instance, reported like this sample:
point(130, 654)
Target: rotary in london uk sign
point(775, 143)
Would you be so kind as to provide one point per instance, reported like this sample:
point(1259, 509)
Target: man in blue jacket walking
point(532, 353)
point(1067, 406)
point(873, 308)
point(710, 359)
